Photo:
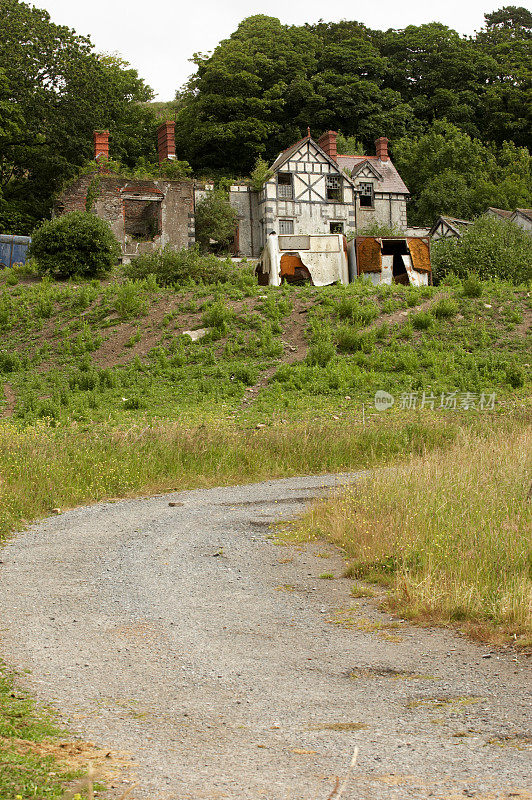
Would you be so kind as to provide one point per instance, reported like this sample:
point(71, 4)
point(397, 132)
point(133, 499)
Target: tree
point(62, 91)
point(448, 172)
point(241, 102)
point(215, 221)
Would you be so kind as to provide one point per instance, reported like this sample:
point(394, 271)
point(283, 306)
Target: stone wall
point(143, 214)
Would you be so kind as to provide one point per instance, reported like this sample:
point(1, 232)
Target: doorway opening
point(397, 248)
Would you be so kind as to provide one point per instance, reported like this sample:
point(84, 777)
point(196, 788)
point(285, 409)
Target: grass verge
point(27, 768)
point(43, 467)
point(448, 532)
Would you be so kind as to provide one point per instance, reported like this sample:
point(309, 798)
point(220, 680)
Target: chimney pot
point(166, 141)
point(381, 147)
point(327, 142)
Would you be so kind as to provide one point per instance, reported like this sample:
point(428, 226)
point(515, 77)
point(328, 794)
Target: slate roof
point(525, 212)
point(391, 180)
point(500, 212)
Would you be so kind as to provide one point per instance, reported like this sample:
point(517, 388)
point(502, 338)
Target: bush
point(320, 353)
point(445, 308)
point(172, 267)
point(74, 244)
point(490, 248)
point(421, 321)
point(472, 287)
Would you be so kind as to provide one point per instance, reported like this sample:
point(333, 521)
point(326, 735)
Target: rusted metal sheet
point(420, 253)
point(289, 264)
point(369, 256)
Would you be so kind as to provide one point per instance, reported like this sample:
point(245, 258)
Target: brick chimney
point(166, 141)
point(381, 147)
point(327, 142)
point(101, 145)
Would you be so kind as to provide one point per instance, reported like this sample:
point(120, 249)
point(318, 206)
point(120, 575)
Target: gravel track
point(187, 638)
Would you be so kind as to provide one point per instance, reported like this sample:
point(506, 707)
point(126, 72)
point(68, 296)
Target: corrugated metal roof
point(391, 180)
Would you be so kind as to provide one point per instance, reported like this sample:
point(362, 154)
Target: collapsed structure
point(311, 201)
point(144, 215)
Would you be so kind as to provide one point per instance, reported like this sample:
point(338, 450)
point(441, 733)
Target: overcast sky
point(159, 36)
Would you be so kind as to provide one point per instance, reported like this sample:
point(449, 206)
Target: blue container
point(13, 249)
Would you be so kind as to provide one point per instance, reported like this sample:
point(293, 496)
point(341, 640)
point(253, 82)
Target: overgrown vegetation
point(215, 221)
point(79, 243)
point(489, 248)
point(448, 533)
point(188, 267)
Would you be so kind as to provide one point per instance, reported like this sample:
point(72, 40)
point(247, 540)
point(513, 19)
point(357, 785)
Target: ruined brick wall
point(165, 206)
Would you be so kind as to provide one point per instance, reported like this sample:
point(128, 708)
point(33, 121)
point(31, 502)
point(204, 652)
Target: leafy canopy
point(55, 90)
point(490, 248)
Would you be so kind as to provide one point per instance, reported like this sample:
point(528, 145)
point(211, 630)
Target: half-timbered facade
point(314, 190)
point(308, 193)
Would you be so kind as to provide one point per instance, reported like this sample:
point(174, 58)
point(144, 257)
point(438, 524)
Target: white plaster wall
point(389, 210)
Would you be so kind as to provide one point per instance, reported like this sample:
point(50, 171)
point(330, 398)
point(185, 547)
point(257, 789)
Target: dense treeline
point(458, 110)
point(450, 104)
point(54, 92)
point(262, 87)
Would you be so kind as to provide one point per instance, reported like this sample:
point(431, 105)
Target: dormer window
point(367, 195)
point(285, 185)
point(334, 188)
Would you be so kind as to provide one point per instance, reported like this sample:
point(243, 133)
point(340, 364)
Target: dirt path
point(185, 636)
point(10, 401)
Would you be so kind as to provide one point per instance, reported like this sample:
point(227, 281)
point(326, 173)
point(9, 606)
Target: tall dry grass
point(450, 532)
point(43, 467)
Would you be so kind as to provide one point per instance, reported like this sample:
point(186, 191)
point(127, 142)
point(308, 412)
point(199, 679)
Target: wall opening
point(336, 227)
point(397, 248)
point(293, 270)
point(285, 188)
point(334, 188)
point(143, 219)
point(286, 227)
point(367, 195)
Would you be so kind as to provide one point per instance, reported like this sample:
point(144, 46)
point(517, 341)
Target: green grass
point(105, 351)
point(27, 770)
point(72, 465)
point(448, 533)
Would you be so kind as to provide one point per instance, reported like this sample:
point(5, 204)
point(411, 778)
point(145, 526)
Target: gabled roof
point(391, 180)
point(525, 212)
point(452, 222)
point(499, 212)
point(370, 165)
point(283, 157)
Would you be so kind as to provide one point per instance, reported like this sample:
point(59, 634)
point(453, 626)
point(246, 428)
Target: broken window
point(285, 188)
point(142, 218)
point(286, 226)
point(367, 197)
point(334, 188)
point(336, 227)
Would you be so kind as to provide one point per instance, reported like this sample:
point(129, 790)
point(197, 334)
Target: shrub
point(215, 220)
point(74, 244)
point(348, 339)
point(320, 352)
point(490, 248)
point(172, 267)
point(445, 308)
point(472, 286)
point(421, 321)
